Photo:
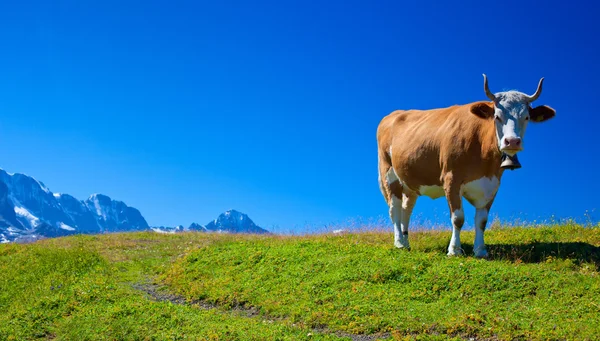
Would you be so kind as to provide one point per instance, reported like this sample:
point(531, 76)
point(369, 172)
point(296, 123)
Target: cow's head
point(512, 112)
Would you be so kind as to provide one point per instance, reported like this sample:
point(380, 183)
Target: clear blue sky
point(186, 109)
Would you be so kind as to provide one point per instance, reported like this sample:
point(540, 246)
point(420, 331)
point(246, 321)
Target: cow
point(453, 152)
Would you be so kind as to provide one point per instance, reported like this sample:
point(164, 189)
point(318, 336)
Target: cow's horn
point(538, 92)
point(488, 93)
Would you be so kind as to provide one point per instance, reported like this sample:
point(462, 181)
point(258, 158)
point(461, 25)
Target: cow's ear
point(483, 110)
point(541, 113)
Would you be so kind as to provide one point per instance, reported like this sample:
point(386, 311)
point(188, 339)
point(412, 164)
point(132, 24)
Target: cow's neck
point(490, 152)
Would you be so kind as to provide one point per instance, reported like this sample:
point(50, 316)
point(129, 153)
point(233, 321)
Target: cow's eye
point(527, 118)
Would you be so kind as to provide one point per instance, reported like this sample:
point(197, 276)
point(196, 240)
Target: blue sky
point(186, 109)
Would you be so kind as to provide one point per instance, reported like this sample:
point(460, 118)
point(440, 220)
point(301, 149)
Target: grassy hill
point(539, 283)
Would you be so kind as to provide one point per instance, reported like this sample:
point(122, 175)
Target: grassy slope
point(540, 283)
point(80, 288)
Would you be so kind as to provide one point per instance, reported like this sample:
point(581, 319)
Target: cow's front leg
point(457, 216)
point(481, 217)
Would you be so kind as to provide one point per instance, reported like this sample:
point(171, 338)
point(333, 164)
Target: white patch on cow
point(480, 192)
point(509, 130)
point(433, 192)
point(481, 216)
point(454, 249)
point(404, 201)
point(458, 215)
point(512, 111)
point(390, 176)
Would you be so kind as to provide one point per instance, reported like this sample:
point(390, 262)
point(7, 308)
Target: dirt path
point(157, 293)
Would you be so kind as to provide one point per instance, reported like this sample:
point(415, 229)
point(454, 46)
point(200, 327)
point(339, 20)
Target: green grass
point(80, 288)
point(539, 284)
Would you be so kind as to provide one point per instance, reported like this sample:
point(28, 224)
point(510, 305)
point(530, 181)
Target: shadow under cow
point(537, 252)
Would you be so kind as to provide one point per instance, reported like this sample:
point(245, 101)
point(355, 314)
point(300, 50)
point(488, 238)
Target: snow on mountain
point(29, 209)
point(197, 227)
point(23, 213)
point(66, 227)
point(82, 219)
point(114, 215)
point(10, 227)
point(233, 221)
point(164, 229)
point(34, 203)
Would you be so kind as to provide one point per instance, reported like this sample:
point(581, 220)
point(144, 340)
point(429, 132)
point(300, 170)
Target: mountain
point(168, 229)
point(197, 227)
point(114, 215)
point(233, 221)
point(9, 225)
point(29, 210)
point(81, 216)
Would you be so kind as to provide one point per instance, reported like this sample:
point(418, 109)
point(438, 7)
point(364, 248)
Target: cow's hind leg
point(401, 206)
point(408, 203)
point(392, 192)
point(453, 195)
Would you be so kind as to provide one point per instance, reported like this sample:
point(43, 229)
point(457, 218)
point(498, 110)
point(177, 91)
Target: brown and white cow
point(454, 152)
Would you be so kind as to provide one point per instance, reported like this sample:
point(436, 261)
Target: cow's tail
point(384, 166)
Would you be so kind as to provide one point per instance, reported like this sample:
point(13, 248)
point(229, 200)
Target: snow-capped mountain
point(169, 229)
point(9, 224)
point(114, 215)
point(233, 221)
point(81, 216)
point(28, 209)
point(197, 227)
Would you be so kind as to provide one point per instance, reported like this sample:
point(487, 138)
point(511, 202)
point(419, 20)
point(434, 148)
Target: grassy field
point(539, 284)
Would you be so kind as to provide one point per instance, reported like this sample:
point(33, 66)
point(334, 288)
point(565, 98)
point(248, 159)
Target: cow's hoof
point(481, 253)
point(455, 252)
point(402, 243)
point(402, 246)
